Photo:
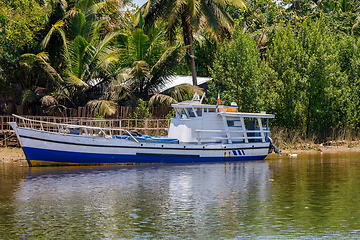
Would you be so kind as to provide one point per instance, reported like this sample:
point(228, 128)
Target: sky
point(139, 2)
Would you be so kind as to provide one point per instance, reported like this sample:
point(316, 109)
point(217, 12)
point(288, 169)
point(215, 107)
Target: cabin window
point(251, 124)
point(191, 112)
point(230, 123)
point(184, 113)
point(177, 113)
point(257, 123)
point(199, 111)
point(234, 123)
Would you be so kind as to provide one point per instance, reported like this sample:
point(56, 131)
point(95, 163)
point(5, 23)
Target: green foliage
point(287, 59)
point(238, 73)
point(89, 59)
point(314, 87)
point(142, 111)
point(204, 50)
point(20, 20)
point(209, 16)
point(171, 114)
point(148, 63)
point(310, 80)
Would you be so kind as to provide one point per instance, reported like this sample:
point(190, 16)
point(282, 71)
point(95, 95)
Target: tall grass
point(294, 139)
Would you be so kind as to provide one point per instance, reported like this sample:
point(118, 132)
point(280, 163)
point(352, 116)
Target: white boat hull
point(51, 148)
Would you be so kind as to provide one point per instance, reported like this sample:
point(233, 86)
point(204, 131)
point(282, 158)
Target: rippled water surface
point(311, 196)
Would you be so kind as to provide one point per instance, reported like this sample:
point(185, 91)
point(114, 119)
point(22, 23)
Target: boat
point(198, 133)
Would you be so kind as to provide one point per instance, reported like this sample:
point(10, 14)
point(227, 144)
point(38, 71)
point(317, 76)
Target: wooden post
point(157, 127)
point(120, 126)
point(2, 124)
point(146, 126)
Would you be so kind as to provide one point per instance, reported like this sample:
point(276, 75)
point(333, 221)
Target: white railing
point(63, 128)
point(233, 135)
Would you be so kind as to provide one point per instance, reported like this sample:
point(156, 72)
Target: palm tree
point(190, 15)
point(148, 65)
point(36, 73)
point(90, 59)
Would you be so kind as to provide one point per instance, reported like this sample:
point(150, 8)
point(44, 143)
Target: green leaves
point(190, 15)
point(140, 42)
point(315, 90)
point(32, 61)
point(310, 80)
point(238, 73)
point(19, 22)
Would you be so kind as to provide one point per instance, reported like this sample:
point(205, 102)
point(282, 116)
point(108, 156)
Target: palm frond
point(140, 41)
point(239, 3)
point(44, 56)
point(92, 31)
point(72, 79)
point(170, 56)
point(118, 89)
point(105, 61)
point(161, 100)
point(78, 51)
point(27, 96)
point(66, 47)
point(95, 8)
point(77, 23)
point(103, 107)
point(140, 70)
point(103, 45)
point(47, 38)
point(193, 8)
point(178, 92)
point(38, 61)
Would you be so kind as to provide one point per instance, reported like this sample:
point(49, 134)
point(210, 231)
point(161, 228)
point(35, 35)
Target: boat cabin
point(201, 123)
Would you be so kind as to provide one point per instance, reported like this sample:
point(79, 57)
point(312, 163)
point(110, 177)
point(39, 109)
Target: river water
point(307, 197)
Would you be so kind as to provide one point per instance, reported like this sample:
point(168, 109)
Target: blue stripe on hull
point(96, 158)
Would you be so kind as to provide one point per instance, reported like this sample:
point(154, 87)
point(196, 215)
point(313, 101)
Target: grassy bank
point(293, 140)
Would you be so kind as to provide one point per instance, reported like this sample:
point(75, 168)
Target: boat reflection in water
point(192, 200)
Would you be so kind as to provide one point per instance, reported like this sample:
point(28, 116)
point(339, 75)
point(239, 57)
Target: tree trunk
point(187, 34)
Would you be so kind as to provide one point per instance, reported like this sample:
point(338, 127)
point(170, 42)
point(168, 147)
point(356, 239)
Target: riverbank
point(9, 154)
point(329, 147)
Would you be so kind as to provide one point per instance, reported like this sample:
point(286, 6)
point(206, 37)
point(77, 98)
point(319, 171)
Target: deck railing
point(94, 126)
point(245, 136)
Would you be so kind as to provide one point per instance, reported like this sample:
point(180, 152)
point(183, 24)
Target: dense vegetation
point(297, 59)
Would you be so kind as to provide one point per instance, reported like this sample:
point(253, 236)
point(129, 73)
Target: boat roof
point(193, 104)
point(197, 104)
point(249, 115)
